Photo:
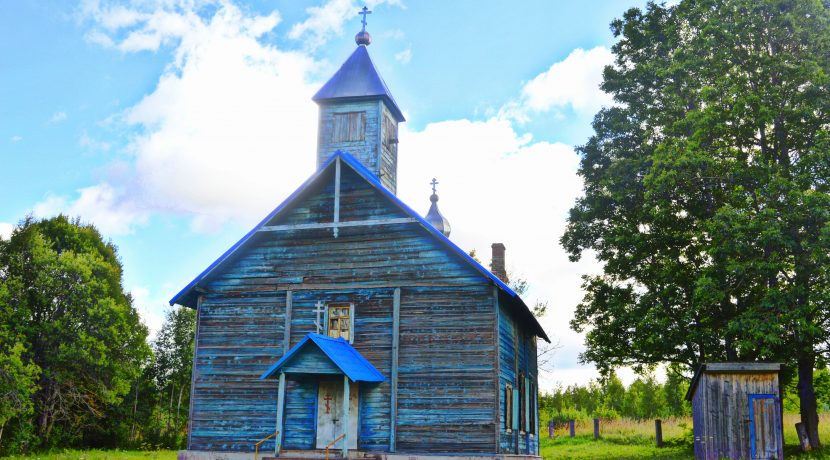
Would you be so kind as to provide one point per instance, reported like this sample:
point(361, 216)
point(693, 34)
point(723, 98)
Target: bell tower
point(358, 114)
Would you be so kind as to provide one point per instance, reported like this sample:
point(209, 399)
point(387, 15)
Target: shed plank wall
point(721, 412)
point(447, 351)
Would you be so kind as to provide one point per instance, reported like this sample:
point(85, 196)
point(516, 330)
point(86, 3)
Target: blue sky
point(175, 125)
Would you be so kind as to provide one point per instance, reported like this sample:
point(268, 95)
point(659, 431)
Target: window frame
point(331, 305)
point(522, 403)
point(341, 127)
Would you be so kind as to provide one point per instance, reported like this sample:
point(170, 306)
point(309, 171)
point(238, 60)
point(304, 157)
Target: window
point(508, 408)
point(349, 127)
point(390, 133)
point(340, 320)
point(522, 402)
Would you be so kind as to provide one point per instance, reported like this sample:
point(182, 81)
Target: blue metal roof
point(186, 296)
point(358, 78)
point(341, 353)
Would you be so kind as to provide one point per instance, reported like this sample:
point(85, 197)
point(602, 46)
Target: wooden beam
point(346, 424)
point(497, 336)
point(286, 341)
point(336, 195)
point(193, 371)
point(335, 225)
point(381, 285)
point(280, 412)
point(396, 323)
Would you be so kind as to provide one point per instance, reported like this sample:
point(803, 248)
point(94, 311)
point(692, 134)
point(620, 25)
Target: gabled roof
point(341, 354)
point(358, 78)
point(730, 368)
point(187, 295)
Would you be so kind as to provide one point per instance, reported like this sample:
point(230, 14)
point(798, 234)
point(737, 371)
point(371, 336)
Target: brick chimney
point(497, 262)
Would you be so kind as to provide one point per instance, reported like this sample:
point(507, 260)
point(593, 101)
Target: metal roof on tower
point(358, 78)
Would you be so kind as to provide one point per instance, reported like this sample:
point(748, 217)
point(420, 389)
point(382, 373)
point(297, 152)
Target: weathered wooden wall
point(721, 412)
point(447, 356)
point(369, 149)
point(517, 353)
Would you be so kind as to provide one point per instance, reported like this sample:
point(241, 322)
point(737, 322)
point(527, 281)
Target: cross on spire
point(363, 13)
point(434, 183)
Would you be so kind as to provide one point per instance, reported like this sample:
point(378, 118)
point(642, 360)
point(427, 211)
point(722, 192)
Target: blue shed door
point(764, 427)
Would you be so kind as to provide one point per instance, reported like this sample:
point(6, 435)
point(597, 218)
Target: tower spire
point(434, 216)
point(363, 38)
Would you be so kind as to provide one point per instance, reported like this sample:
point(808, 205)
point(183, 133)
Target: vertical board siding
point(720, 407)
point(389, 150)
point(238, 338)
point(445, 380)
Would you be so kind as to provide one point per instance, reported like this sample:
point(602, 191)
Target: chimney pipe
point(497, 262)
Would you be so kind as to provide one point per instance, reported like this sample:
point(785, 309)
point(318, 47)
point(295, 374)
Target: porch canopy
point(319, 354)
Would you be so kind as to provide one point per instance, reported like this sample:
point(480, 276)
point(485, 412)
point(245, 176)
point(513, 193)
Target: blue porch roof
point(348, 360)
point(187, 295)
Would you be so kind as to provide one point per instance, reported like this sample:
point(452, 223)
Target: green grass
point(631, 439)
point(99, 455)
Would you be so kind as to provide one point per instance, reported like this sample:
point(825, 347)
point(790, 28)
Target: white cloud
point(496, 185)
point(571, 83)
point(58, 117)
point(16, 138)
point(151, 309)
point(106, 207)
point(404, 56)
point(90, 143)
point(6, 230)
point(326, 21)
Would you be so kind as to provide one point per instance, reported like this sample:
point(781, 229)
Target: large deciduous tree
point(706, 190)
point(61, 287)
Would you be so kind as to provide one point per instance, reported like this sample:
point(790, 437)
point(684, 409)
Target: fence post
point(596, 428)
point(658, 432)
point(571, 424)
point(551, 426)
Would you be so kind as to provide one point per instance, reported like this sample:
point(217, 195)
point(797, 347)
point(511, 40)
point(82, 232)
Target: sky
point(174, 126)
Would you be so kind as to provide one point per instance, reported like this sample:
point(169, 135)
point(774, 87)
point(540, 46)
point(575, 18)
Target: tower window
point(349, 127)
point(390, 133)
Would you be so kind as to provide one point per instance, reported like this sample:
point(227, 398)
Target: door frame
point(750, 398)
point(355, 386)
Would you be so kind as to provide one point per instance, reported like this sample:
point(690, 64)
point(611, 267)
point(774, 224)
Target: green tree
point(173, 350)
point(706, 190)
point(62, 291)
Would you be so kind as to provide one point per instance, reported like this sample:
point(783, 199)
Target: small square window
point(340, 321)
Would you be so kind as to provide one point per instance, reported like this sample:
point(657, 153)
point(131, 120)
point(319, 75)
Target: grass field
point(100, 455)
point(631, 439)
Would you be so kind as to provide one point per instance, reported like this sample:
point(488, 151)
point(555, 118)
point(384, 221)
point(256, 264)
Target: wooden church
point(346, 319)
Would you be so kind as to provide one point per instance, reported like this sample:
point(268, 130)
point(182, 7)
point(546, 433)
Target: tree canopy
point(706, 193)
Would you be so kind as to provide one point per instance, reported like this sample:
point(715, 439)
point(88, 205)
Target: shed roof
point(341, 354)
point(187, 296)
point(358, 78)
point(731, 368)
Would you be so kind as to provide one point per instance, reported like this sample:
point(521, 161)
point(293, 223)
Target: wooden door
point(764, 427)
point(330, 413)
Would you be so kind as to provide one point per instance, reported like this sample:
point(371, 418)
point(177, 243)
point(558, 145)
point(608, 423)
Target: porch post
point(346, 421)
point(280, 410)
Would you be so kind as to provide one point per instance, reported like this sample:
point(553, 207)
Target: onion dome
point(434, 216)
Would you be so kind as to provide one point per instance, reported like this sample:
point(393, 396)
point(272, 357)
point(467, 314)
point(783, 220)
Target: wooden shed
point(737, 411)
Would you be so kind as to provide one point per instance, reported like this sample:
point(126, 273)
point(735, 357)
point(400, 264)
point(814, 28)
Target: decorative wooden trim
point(286, 341)
point(336, 225)
point(336, 196)
point(396, 323)
point(193, 371)
point(345, 286)
point(280, 413)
